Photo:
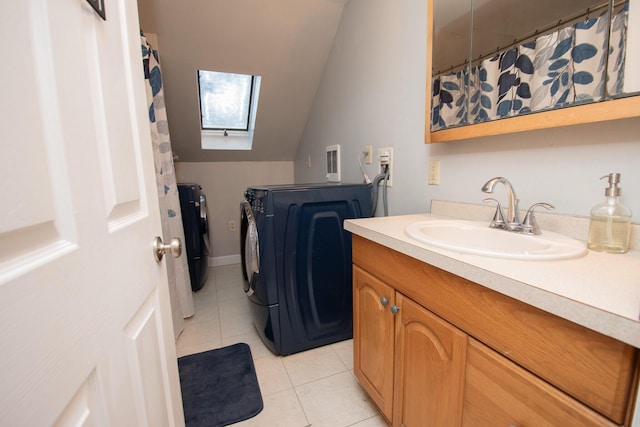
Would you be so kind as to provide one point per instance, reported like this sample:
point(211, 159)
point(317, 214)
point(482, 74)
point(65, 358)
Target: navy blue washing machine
point(296, 262)
point(193, 204)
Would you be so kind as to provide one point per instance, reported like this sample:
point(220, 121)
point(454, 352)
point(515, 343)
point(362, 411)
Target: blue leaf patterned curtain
point(566, 67)
point(170, 214)
point(449, 100)
point(617, 51)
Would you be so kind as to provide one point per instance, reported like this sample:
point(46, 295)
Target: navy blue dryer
point(193, 205)
point(296, 262)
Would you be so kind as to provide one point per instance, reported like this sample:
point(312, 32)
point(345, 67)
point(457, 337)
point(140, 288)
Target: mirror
point(450, 61)
point(504, 66)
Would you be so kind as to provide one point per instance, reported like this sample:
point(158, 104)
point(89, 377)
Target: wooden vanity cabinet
point(374, 338)
point(458, 354)
point(410, 361)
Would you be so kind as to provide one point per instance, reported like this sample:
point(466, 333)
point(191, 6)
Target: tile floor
point(313, 388)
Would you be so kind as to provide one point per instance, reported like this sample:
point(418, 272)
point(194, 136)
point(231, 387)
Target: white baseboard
point(224, 260)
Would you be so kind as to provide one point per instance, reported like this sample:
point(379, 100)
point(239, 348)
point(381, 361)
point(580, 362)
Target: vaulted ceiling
point(287, 42)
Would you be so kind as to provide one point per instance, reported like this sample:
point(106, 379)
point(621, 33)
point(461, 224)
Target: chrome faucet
point(512, 221)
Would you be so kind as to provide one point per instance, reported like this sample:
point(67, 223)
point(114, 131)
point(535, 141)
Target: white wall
point(224, 184)
point(373, 91)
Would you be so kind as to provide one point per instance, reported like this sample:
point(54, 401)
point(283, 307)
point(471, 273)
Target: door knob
point(159, 248)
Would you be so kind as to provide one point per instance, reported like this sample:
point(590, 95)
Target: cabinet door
point(500, 393)
point(430, 366)
point(373, 337)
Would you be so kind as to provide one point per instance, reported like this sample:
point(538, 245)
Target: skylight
point(225, 100)
point(228, 105)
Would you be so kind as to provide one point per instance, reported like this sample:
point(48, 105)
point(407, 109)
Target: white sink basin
point(475, 237)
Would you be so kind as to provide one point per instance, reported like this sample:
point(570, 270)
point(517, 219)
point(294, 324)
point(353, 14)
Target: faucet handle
point(530, 225)
point(498, 218)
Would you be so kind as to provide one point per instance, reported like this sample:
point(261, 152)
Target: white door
point(85, 323)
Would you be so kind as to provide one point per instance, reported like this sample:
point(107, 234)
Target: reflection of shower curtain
point(177, 268)
point(562, 68)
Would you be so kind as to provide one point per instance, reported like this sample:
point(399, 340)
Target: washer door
point(249, 246)
point(204, 221)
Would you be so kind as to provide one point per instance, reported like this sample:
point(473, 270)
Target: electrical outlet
point(368, 157)
point(232, 226)
point(434, 172)
point(385, 158)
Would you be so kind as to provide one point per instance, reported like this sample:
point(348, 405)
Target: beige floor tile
point(206, 296)
point(377, 421)
point(335, 401)
point(204, 312)
point(258, 349)
point(312, 365)
point(344, 350)
point(235, 318)
point(209, 288)
point(227, 273)
point(231, 287)
point(231, 290)
point(280, 410)
point(196, 348)
point(200, 333)
point(272, 376)
point(226, 294)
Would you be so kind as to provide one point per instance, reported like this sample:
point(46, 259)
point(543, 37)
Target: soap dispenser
point(610, 224)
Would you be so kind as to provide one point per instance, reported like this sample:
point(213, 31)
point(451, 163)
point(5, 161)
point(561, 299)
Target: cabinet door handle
point(384, 301)
point(395, 309)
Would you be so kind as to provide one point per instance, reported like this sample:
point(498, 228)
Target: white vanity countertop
point(599, 291)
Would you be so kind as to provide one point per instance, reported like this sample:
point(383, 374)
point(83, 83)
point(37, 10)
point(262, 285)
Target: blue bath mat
point(219, 387)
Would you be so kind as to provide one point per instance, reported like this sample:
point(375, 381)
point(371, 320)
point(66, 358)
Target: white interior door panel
point(84, 307)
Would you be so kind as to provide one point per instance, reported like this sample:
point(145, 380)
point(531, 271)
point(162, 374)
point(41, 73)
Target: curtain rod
point(534, 34)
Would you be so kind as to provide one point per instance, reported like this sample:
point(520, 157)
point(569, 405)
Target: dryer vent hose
point(383, 177)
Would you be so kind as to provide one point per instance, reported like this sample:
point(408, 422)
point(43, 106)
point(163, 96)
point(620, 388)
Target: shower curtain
point(565, 67)
point(171, 217)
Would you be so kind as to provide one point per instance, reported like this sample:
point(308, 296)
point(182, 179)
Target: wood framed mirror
point(513, 31)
